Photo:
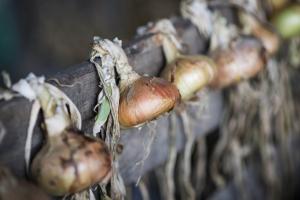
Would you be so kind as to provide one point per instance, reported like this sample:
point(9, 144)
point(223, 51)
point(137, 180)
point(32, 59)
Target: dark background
point(46, 36)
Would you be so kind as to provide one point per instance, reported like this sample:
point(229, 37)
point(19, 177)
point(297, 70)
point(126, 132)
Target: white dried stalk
point(223, 32)
point(188, 189)
point(167, 36)
point(198, 13)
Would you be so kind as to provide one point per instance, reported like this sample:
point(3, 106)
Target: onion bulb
point(146, 99)
point(287, 21)
point(261, 30)
point(68, 161)
point(190, 74)
point(13, 189)
point(142, 98)
point(243, 59)
point(71, 162)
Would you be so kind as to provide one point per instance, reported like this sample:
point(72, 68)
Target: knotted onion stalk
point(108, 105)
point(13, 189)
point(68, 161)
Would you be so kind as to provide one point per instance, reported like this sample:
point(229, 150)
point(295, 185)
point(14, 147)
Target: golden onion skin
point(71, 162)
point(190, 74)
point(146, 99)
point(243, 59)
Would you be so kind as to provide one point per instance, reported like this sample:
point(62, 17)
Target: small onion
point(287, 21)
point(243, 59)
point(68, 161)
point(261, 30)
point(13, 189)
point(146, 99)
point(190, 74)
point(71, 162)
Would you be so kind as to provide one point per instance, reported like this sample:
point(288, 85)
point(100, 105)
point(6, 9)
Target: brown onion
point(262, 31)
point(190, 74)
point(71, 162)
point(146, 99)
point(243, 59)
point(13, 189)
point(68, 161)
point(142, 98)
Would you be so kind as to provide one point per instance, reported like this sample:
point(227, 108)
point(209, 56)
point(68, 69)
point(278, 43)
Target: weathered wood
point(80, 83)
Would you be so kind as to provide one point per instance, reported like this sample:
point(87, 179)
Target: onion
point(71, 162)
point(190, 74)
point(287, 21)
point(146, 99)
point(68, 161)
point(261, 30)
point(243, 59)
point(142, 98)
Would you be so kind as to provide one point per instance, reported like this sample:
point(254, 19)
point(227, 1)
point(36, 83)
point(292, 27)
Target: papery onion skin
point(146, 99)
point(71, 162)
point(190, 74)
point(243, 59)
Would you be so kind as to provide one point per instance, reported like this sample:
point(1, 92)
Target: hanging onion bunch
point(142, 98)
point(14, 189)
point(189, 73)
point(68, 161)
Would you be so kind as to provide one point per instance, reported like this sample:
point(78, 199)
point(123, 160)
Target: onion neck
point(170, 50)
point(55, 117)
point(127, 75)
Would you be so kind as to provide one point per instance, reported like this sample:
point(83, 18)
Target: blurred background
point(46, 36)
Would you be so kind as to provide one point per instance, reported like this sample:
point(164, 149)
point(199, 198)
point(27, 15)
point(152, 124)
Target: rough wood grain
point(80, 83)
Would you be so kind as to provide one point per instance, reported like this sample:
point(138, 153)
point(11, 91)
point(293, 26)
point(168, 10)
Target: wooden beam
point(80, 83)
